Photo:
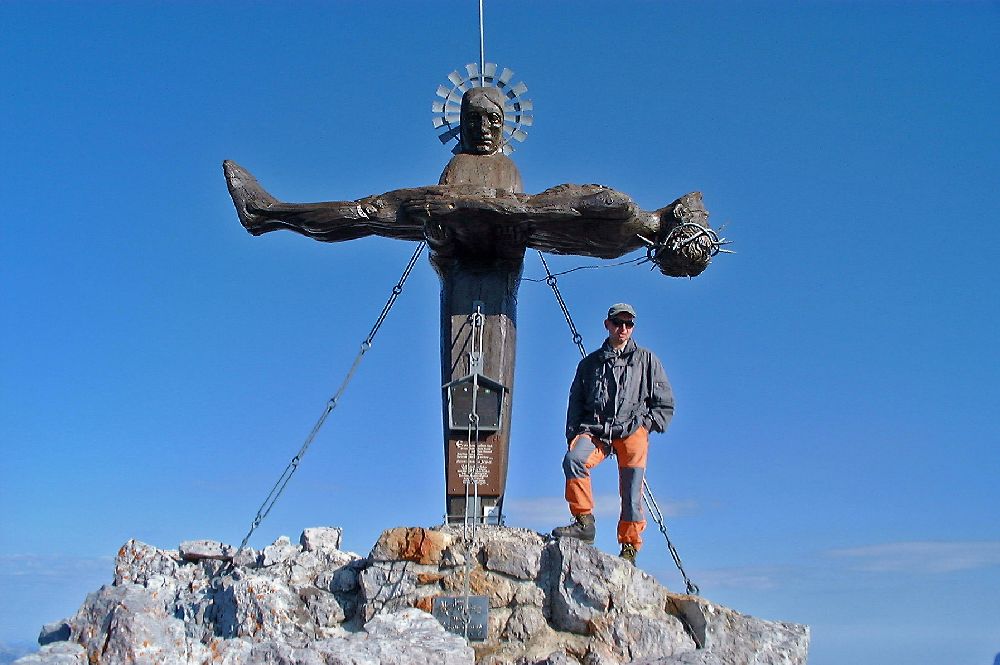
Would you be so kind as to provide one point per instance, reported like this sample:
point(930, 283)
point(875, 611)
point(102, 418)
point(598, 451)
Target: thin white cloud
point(752, 578)
point(679, 508)
point(838, 566)
point(548, 511)
point(11, 651)
point(922, 557)
point(49, 567)
point(551, 510)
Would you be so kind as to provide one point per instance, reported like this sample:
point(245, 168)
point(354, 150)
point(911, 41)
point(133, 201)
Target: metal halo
point(447, 110)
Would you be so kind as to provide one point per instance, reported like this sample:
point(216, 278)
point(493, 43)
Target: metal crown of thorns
point(686, 250)
point(516, 111)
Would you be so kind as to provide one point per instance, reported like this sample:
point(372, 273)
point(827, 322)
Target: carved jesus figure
point(478, 223)
point(479, 207)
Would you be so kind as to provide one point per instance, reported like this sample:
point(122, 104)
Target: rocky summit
point(550, 602)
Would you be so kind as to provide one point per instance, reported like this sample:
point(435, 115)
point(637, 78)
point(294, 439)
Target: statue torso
point(496, 171)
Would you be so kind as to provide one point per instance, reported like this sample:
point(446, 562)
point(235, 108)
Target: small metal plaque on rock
point(451, 612)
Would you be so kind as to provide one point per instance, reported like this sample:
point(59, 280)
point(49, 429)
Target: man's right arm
point(574, 411)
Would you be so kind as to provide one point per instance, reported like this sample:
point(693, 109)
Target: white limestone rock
point(413, 637)
point(325, 610)
point(524, 623)
point(130, 623)
point(247, 557)
point(278, 551)
point(340, 575)
point(196, 550)
point(558, 658)
point(551, 602)
point(386, 587)
point(321, 538)
point(261, 607)
point(137, 562)
point(514, 552)
point(740, 638)
point(628, 638)
point(409, 637)
point(700, 657)
point(58, 653)
point(591, 583)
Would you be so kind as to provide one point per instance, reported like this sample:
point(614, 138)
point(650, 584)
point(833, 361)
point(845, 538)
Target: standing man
point(619, 395)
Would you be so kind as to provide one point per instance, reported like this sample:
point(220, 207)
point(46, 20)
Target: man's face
point(482, 128)
point(620, 328)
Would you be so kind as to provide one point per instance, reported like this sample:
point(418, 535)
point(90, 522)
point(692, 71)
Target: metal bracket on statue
point(476, 354)
point(451, 613)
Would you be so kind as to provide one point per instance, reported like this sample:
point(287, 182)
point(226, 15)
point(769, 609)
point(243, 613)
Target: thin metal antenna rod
point(482, 48)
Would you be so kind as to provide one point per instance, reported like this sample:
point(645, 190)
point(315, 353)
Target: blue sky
point(833, 460)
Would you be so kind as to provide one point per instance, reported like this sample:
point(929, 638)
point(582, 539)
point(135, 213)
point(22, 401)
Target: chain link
point(654, 511)
point(478, 322)
point(293, 465)
point(650, 500)
point(553, 283)
point(472, 478)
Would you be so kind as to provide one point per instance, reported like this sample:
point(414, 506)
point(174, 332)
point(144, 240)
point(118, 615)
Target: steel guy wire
point(331, 404)
point(551, 280)
point(636, 261)
point(654, 510)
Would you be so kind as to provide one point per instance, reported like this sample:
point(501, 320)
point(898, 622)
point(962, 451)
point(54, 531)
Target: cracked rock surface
point(555, 602)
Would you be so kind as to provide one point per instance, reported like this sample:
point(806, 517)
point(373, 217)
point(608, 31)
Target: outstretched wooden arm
point(582, 220)
point(585, 220)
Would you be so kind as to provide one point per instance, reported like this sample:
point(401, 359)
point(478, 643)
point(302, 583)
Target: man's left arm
point(659, 398)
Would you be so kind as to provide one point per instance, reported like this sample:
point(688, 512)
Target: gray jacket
point(614, 393)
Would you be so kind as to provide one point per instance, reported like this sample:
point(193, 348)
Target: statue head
point(482, 121)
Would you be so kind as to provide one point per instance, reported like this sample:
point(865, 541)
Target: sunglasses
point(618, 323)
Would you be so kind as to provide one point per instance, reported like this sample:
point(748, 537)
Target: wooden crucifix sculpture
point(478, 223)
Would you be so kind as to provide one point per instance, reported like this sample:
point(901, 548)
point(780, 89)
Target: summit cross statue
point(478, 223)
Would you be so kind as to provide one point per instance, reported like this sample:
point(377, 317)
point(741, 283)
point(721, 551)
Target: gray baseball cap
point(621, 308)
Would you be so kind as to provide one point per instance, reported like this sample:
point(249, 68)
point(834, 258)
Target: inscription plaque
point(451, 612)
point(482, 467)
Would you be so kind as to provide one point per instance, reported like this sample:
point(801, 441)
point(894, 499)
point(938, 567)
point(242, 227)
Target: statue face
point(482, 121)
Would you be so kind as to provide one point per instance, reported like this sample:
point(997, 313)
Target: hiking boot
point(583, 527)
point(629, 552)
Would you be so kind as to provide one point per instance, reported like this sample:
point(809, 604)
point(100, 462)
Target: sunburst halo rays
point(448, 110)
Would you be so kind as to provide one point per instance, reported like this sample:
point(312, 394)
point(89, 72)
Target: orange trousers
point(585, 452)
